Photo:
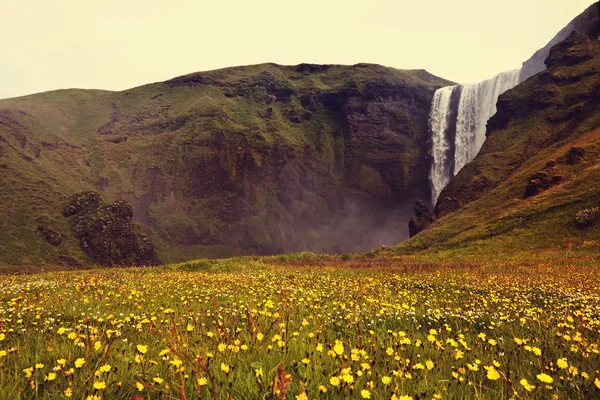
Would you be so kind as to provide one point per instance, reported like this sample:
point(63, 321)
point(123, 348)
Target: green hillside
point(255, 159)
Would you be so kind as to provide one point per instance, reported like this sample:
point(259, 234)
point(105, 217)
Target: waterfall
point(440, 146)
point(458, 128)
point(477, 105)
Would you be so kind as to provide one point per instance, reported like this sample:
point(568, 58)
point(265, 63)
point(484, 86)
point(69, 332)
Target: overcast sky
point(119, 44)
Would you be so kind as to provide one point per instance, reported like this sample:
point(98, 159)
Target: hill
point(256, 159)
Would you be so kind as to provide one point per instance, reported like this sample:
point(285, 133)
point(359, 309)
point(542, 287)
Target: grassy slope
point(51, 147)
point(495, 220)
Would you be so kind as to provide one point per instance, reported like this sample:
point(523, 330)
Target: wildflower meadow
point(248, 329)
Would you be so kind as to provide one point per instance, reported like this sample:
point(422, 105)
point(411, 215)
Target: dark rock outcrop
point(575, 49)
point(82, 201)
point(47, 232)
point(423, 218)
point(575, 155)
point(106, 231)
point(446, 205)
point(539, 182)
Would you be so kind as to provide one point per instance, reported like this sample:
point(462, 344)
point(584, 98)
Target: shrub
point(586, 218)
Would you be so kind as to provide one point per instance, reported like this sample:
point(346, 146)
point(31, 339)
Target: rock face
point(423, 218)
point(106, 231)
point(585, 24)
point(576, 49)
point(47, 233)
point(257, 159)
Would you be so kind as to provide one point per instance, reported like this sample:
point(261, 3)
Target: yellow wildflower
point(164, 352)
point(493, 374)
point(528, 386)
point(338, 348)
point(142, 348)
point(105, 368)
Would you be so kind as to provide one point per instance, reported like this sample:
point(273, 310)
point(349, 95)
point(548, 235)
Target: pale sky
point(119, 44)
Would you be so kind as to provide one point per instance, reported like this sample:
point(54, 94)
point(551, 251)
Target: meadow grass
point(302, 327)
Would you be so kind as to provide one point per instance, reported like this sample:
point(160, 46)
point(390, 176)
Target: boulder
point(446, 205)
point(539, 182)
point(81, 201)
